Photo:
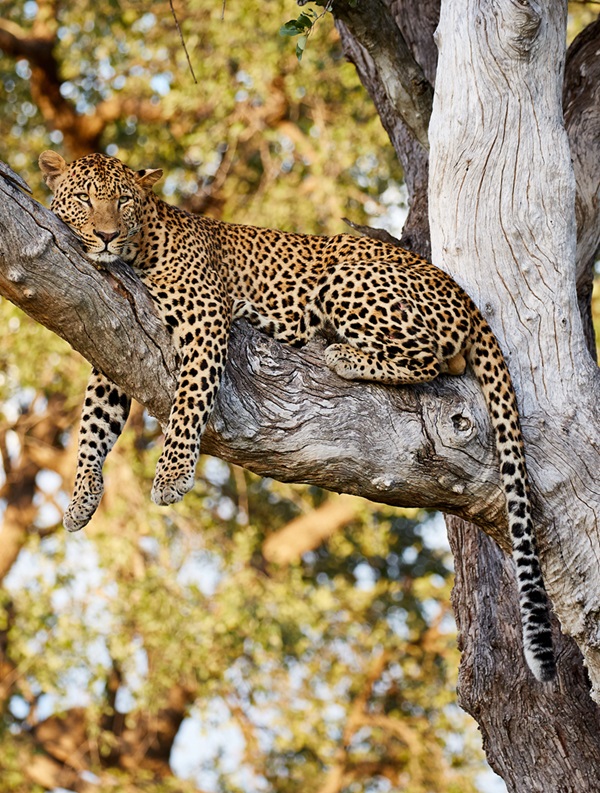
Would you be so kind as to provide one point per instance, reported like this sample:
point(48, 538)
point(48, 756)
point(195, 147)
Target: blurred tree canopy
point(192, 650)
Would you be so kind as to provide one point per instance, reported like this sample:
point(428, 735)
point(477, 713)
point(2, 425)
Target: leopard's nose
point(106, 236)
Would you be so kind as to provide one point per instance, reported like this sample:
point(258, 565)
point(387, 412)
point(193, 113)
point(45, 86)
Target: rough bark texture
point(403, 80)
point(523, 239)
point(555, 732)
point(411, 154)
point(537, 738)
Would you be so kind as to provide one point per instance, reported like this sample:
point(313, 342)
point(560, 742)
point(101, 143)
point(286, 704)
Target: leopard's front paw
point(86, 497)
point(339, 361)
point(167, 490)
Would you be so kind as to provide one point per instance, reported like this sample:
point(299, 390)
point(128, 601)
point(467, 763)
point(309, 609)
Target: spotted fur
point(397, 318)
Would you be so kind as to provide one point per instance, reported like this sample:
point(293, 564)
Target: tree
point(502, 201)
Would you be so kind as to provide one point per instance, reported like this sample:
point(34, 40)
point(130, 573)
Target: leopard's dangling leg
point(203, 348)
point(105, 411)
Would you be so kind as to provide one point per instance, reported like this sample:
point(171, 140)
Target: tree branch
point(344, 770)
point(59, 748)
point(81, 132)
point(410, 153)
point(408, 90)
point(280, 412)
point(39, 435)
point(581, 105)
point(310, 530)
point(15, 41)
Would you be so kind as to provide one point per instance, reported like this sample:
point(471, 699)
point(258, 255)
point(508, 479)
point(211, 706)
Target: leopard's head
point(101, 199)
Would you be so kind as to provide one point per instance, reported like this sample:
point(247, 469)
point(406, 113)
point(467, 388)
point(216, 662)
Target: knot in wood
point(524, 25)
point(461, 423)
point(37, 246)
point(382, 483)
point(457, 426)
point(16, 275)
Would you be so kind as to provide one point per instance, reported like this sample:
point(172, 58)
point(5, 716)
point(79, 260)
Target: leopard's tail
point(490, 368)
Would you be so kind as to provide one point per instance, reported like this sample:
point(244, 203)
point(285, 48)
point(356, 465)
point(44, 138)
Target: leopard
point(396, 318)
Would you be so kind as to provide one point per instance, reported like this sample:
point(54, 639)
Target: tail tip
point(543, 665)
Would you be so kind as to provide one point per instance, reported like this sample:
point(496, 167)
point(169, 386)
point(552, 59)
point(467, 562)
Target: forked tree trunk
point(502, 198)
point(502, 222)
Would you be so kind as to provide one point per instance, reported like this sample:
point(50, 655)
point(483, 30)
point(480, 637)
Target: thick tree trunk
point(539, 739)
point(581, 101)
point(411, 154)
point(502, 202)
point(491, 672)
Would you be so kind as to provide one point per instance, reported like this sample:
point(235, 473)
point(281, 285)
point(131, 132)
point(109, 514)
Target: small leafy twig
point(303, 25)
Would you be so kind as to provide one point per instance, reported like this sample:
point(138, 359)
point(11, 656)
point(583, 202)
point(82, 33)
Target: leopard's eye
point(124, 199)
point(83, 197)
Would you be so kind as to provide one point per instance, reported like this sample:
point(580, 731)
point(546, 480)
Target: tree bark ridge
point(403, 80)
point(492, 680)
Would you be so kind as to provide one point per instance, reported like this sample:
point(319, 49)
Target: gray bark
point(581, 100)
point(411, 154)
point(539, 739)
point(407, 89)
point(551, 740)
point(502, 208)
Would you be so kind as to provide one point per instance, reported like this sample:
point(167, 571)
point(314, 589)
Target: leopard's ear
point(148, 177)
point(53, 168)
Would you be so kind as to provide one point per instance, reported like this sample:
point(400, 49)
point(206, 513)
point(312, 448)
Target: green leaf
point(305, 21)
point(294, 27)
point(300, 47)
point(290, 28)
